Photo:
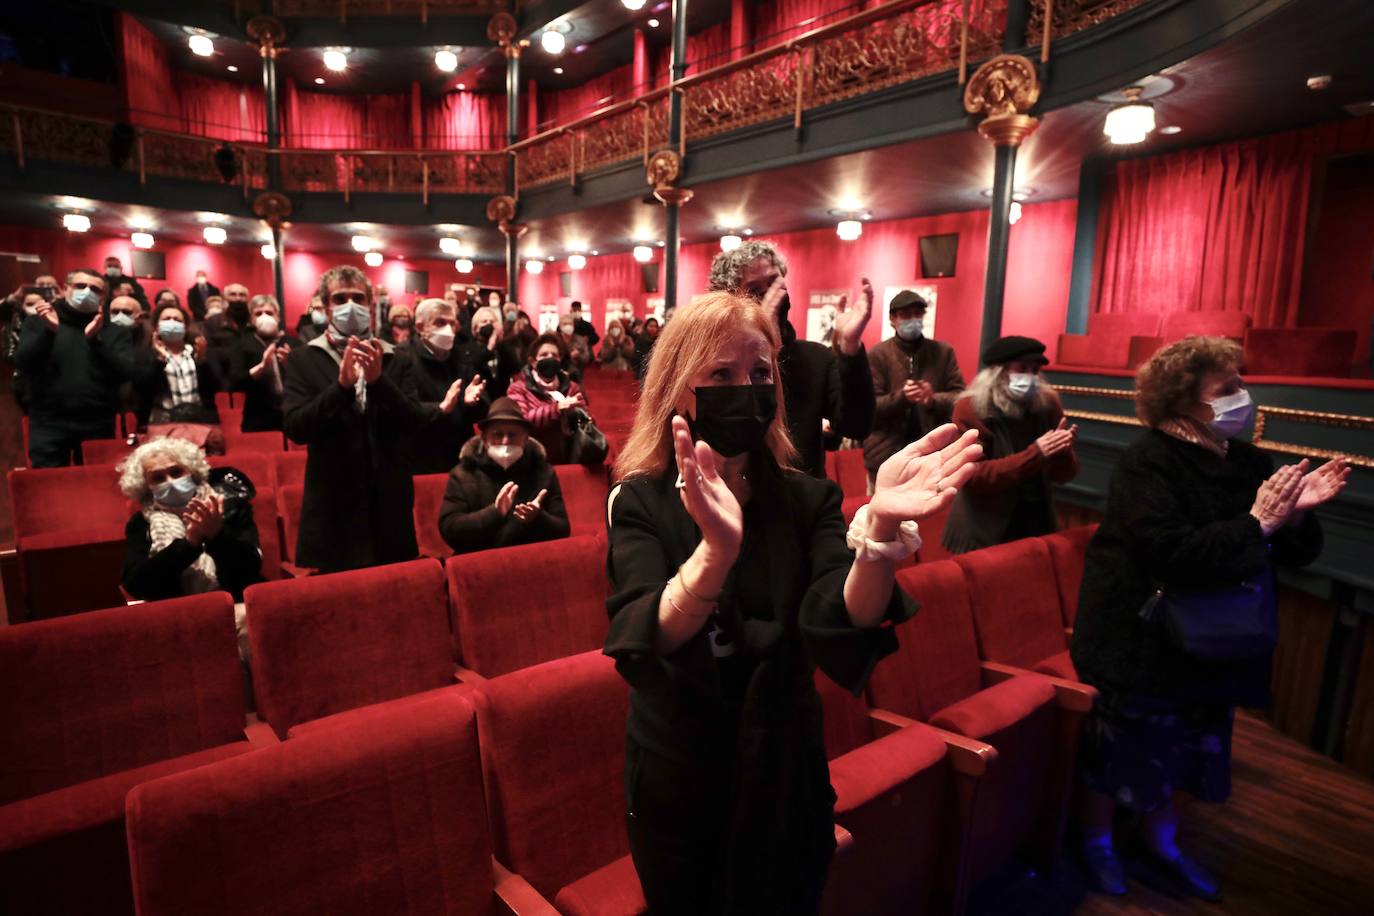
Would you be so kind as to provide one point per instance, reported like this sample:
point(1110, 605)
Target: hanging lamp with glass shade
point(1131, 121)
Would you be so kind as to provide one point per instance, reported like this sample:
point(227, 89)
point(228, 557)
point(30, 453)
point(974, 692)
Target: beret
point(1007, 349)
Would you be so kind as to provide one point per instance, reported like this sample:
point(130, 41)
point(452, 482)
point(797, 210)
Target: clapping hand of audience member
point(505, 498)
point(850, 322)
point(452, 396)
point(773, 298)
point(200, 347)
point(918, 391)
point(268, 356)
point(568, 403)
point(160, 349)
point(474, 391)
point(1276, 498)
point(706, 496)
point(370, 354)
point(204, 519)
point(45, 311)
point(921, 479)
point(1322, 485)
point(526, 512)
point(1058, 439)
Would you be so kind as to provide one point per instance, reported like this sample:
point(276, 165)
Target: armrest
point(466, 675)
point(1070, 695)
point(296, 572)
point(516, 896)
point(260, 734)
point(966, 755)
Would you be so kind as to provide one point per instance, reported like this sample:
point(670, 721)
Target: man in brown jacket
point(916, 381)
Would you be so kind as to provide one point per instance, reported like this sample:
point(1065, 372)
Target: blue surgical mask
point(1022, 384)
point(175, 492)
point(86, 301)
point(510, 314)
point(911, 329)
point(351, 319)
point(1231, 414)
point(121, 319)
point(171, 330)
point(317, 318)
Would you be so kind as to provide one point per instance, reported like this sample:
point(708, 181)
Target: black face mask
point(547, 368)
point(734, 418)
point(484, 333)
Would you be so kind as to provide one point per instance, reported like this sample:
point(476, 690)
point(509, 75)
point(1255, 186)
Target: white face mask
point(1022, 384)
point(1231, 414)
point(266, 325)
point(441, 339)
point(505, 455)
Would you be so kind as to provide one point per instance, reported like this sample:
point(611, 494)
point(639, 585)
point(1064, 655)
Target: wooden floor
point(1296, 837)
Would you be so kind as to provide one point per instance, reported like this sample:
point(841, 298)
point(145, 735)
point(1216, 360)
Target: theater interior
point(1105, 176)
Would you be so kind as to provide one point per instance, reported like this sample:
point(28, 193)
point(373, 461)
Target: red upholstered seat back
point(269, 537)
point(365, 818)
point(429, 497)
point(329, 643)
point(236, 443)
point(46, 500)
point(1067, 549)
point(1300, 351)
point(105, 451)
point(1178, 325)
point(289, 467)
point(224, 400)
point(519, 606)
point(850, 473)
point(86, 696)
point(1125, 324)
point(289, 500)
point(936, 662)
point(553, 754)
point(1015, 600)
point(584, 494)
point(846, 718)
point(256, 465)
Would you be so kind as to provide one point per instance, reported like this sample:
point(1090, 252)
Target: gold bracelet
point(691, 594)
point(677, 607)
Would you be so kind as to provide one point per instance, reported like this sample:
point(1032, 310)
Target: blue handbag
point(1238, 622)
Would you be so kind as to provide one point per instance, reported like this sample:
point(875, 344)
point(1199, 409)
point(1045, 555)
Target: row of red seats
point(106, 701)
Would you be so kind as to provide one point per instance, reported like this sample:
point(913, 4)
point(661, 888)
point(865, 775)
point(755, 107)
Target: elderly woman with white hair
point(194, 530)
point(446, 382)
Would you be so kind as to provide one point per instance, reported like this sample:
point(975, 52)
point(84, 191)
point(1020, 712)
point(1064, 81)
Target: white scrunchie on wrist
point(866, 550)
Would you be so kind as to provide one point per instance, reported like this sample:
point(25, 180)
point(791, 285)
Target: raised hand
point(348, 369)
point(923, 478)
point(45, 311)
point(773, 298)
point(96, 323)
point(452, 396)
point(1058, 439)
point(204, 519)
point(283, 351)
point(474, 390)
point(1322, 485)
point(268, 356)
point(370, 360)
point(200, 347)
point(850, 322)
point(505, 498)
point(527, 512)
point(1276, 497)
point(706, 497)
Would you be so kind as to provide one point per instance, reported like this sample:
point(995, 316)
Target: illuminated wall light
point(1130, 122)
point(643, 254)
point(269, 251)
point(201, 45)
point(553, 42)
point(215, 235)
point(446, 60)
point(534, 267)
point(373, 259)
point(653, 23)
point(632, 5)
point(577, 261)
point(76, 222)
point(730, 242)
point(319, 81)
point(849, 229)
point(463, 265)
point(364, 243)
point(335, 59)
point(232, 69)
point(142, 239)
point(1014, 214)
point(450, 246)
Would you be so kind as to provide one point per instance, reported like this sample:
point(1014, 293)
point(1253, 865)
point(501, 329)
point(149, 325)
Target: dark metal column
point(677, 68)
point(269, 33)
point(1084, 246)
point(999, 233)
point(512, 51)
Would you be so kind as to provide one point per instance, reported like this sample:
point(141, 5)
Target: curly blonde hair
point(187, 454)
point(1170, 383)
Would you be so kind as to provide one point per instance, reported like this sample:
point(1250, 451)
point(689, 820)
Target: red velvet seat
point(257, 465)
point(1178, 325)
point(519, 606)
point(329, 643)
point(290, 497)
point(553, 753)
point(105, 451)
point(850, 473)
point(1067, 550)
point(236, 443)
point(65, 520)
point(1014, 595)
point(376, 817)
point(429, 498)
point(1031, 720)
point(288, 467)
point(1311, 352)
point(269, 536)
point(92, 706)
point(585, 490)
point(1109, 341)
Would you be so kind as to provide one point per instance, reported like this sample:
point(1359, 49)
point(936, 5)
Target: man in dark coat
point(200, 291)
point(345, 399)
point(818, 383)
point(258, 363)
point(582, 327)
point(115, 277)
point(446, 383)
point(73, 362)
point(916, 381)
point(503, 491)
point(488, 353)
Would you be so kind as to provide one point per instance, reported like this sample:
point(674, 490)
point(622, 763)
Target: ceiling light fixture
point(462, 86)
point(1014, 214)
point(633, 5)
point(142, 239)
point(446, 60)
point(1130, 122)
point(232, 69)
point(555, 37)
point(336, 59)
point(653, 23)
point(201, 44)
point(450, 246)
point(214, 235)
point(373, 259)
point(849, 229)
point(319, 81)
point(364, 243)
point(534, 266)
point(730, 242)
point(1319, 82)
point(643, 254)
point(76, 222)
point(558, 71)
point(577, 261)
point(1171, 129)
point(269, 251)
point(463, 265)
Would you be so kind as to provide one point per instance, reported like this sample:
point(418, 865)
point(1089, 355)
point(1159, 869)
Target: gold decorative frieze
point(1069, 17)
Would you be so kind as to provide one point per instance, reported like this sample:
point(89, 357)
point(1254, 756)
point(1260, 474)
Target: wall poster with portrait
point(822, 307)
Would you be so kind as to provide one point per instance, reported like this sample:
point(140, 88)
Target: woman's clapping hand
point(924, 477)
point(708, 500)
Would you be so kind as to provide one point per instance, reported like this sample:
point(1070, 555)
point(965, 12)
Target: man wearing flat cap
point(916, 381)
point(1027, 446)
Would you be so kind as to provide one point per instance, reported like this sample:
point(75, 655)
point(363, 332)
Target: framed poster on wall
point(824, 304)
point(548, 318)
point(622, 309)
point(926, 291)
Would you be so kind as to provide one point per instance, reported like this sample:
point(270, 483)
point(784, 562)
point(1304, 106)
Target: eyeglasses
point(98, 287)
point(343, 297)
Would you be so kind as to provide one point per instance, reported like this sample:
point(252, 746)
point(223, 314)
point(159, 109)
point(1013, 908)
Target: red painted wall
point(1338, 280)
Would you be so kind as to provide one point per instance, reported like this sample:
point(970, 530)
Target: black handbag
point(586, 445)
point(1238, 622)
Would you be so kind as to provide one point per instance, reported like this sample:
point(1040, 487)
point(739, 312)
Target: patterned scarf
point(337, 343)
point(165, 525)
point(183, 387)
point(1195, 433)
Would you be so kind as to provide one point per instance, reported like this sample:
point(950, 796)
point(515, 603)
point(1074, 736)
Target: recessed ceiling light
point(201, 45)
point(632, 4)
point(336, 59)
point(661, 243)
point(232, 69)
point(319, 81)
point(215, 235)
point(1319, 82)
point(268, 251)
point(373, 259)
point(463, 265)
point(643, 254)
point(577, 261)
point(450, 246)
point(534, 267)
point(1171, 129)
point(653, 23)
point(142, 239)
point(462, 86)
point(76, 222)
point(446, 60)
point(553, 41)
point(558, 71)
point(364, 243)
point(595, 252)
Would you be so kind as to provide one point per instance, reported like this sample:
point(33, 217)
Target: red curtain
point(563, 105)
point(1215, 229)
point(464, 120)
point(324, 120)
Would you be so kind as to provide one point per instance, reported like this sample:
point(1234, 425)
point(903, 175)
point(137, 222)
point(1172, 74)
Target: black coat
point(261, 403)
point(235, 550)
point(195, 299)
point(497, 368)
point(151, 385)
point(469, 520)
point(749, 725)
point(358, 491)
point(1179, 515)
point(434, 448)
point(69, 377)
point(818, 382)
